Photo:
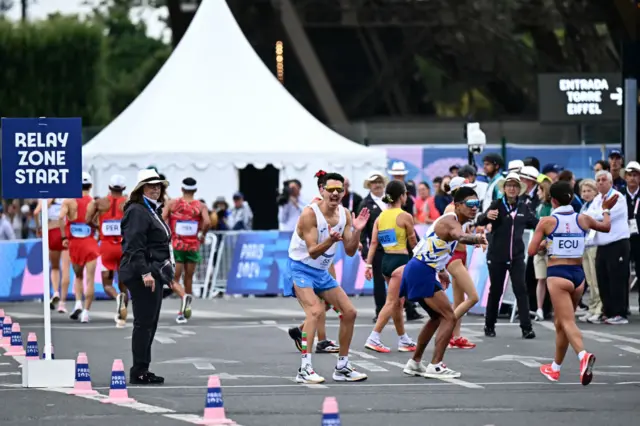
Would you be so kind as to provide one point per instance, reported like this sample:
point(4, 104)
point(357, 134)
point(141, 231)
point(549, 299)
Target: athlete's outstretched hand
point(361, 221)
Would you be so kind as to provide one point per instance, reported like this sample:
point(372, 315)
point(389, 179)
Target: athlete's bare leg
point(91, 285)
point(189, 270)
point(445, 323)
point(107, 284)
point(462, 285)
point(565, 299)
point(54, 260)
point(313, 309)
point(65, 268)
point(338, 298)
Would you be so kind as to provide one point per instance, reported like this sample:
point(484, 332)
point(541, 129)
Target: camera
point(476, 139)
point(283, 197)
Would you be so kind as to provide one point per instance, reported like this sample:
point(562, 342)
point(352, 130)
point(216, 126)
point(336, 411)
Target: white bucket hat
point(398, 169)
point(513, 177)
point(146, 176)
point(515, 165)
point(529, 172)
point(459, 182)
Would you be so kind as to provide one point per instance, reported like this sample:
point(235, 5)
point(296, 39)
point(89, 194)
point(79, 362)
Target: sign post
point(42, 159)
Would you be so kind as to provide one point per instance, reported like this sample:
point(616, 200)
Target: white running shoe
point(84, 317)
point(415, 368)
point(180, 319)
point(308, 376)
point(440, 371)
point(185, 305)
point(348, 374)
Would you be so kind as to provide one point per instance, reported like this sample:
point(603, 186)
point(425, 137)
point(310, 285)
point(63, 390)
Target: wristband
point(607, 211)
point(368, 266)
point(63, 238)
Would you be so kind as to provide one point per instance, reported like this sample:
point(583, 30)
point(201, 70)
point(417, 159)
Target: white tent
point(215, 108)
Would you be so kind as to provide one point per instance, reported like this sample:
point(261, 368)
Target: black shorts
point(392, 261)
point(432, 314)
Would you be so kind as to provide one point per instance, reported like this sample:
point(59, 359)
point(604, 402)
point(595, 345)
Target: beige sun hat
point(374, 175)
point(148, 176)
point(512, 177)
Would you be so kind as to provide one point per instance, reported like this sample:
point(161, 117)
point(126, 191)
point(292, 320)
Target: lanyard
point(508, 207)
point(350, 202)
point(155, 214)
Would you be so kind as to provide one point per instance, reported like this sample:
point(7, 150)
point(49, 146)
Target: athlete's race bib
point(186, 228)
point(80, 230)
point(633, 226)
point(388, 238)
point(111, 228)
point(54, 211)
point(568, 245)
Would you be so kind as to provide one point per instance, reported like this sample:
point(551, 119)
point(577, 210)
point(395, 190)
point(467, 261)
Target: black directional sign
point(569, 98)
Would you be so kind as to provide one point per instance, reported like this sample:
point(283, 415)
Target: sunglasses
point(472, 204)
point(338, 189)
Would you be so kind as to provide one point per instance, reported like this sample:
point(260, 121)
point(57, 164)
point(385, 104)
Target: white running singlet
point(434, 251)
point(298, 248)
point(567, 240)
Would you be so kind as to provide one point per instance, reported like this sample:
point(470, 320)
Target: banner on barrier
point(22, 272)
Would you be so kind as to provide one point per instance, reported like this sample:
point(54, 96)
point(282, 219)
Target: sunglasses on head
point(338, 189)
point(471, 203)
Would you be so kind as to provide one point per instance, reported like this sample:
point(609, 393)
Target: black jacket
point(506, 236)
point(146, 245)
point(365, 235)
point(352, 201)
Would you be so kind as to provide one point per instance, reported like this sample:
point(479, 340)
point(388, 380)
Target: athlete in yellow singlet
point(394, 231)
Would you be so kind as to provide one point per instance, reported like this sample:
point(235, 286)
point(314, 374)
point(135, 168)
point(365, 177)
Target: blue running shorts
point(304, 276)
point(573, 273)
point(419, 281)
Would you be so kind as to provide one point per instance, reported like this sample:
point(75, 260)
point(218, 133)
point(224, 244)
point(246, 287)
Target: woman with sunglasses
point(461, 280)
point(509, 217)
point(566, 231)
point(394, 231)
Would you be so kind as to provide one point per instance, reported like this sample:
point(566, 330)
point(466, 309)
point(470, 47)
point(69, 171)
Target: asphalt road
point(244, 342)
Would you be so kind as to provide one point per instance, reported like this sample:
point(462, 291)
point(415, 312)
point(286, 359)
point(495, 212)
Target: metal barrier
point(204, 269)
point(226, 243)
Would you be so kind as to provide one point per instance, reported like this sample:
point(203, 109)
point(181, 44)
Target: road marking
point(476, 336)
point(369, 366)
point(279, 312)
point(5, 363)
point(162, 339)
point(194, 360)
point(528, 361)
point(628, 383)
point(268, 322)
point(612, 336)
point(203, 366)
point(12, 373)
point(452, 381)
point(182, 330)
point(552, 327)
point(362, 354)
point(628, 349)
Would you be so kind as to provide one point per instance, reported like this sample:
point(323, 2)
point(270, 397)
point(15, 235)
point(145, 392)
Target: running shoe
point(406, 346)
point(461, 343)
point(296, 334)
point(586, 368)
point(185, 305)
point(121, 308)
point(414, 368)
point(327, 347)
point(308, 376)
point(76, 313)
point(348, 374)
point(61, 308)
point(440, 371)
point(84, 317)
point(548, 372)
point(376, 346)
point(617, 320)
point(54, 301)
point(180, 319)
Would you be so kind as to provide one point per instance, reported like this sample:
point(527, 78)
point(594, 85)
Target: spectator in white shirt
point(6, 230)
point(241, 216)
point(613, 253)
point(290, 206)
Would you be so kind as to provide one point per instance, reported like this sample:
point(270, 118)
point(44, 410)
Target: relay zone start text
point(41, 158)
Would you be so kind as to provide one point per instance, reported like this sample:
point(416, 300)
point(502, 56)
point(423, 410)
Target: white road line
point(369, 366)
point(203, 366)
point(628, 383)
point(268, 322)
point(12, 373)
point(585, 333)
point(628, 349)
point(612, 336)
point(362, 354)
point(279, 312)
point(5, 363)
point(452, 381)
point(163, 339)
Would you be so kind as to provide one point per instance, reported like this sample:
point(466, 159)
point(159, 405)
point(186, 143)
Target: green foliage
point(53, 68)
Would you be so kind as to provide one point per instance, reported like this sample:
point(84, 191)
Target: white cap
point(515, 165)
point(86, 179)
point(458, 182)
point(633, 166)
point(529, 172)
point(25, 209)
point(117, 181)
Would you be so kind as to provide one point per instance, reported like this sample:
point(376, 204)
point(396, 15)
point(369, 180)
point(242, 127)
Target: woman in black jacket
point(146, 266)
point(508, 217)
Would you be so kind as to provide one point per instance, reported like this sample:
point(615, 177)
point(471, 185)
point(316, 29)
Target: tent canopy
point(213, 105)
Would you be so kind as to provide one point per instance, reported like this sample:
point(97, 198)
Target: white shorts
point(540, 262)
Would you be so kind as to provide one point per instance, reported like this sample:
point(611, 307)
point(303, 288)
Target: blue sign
point(214, 398)
point(42, 157)
point(82, 373)
point(118, 380)
point(260, 261)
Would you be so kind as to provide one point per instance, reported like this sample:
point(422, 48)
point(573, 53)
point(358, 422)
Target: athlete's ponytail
point(394, 191)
